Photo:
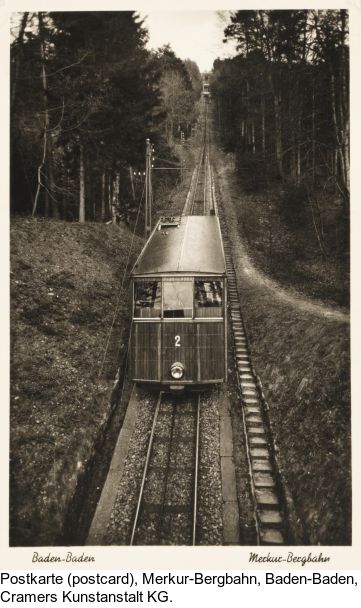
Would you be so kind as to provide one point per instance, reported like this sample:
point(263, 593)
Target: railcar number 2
point(177, 340)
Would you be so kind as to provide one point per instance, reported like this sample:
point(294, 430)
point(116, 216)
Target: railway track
point(166, 512)
point(269, 511)
point(269, 516)
point(199, 199)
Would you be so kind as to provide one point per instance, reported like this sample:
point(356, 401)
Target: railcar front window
point(147, 299)
point(177, 299)
point(208, 298)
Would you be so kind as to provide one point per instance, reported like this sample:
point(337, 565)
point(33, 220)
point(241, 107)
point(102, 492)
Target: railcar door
point(179, 335)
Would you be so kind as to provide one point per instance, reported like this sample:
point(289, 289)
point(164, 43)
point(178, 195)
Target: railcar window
point(208, 297)
point(147, 299)
point(177, 299)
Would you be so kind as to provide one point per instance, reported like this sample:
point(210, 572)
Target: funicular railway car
point(206, 92)
point(179, 306)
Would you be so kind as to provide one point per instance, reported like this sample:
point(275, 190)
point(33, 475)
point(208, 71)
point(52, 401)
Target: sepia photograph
point(180, 278)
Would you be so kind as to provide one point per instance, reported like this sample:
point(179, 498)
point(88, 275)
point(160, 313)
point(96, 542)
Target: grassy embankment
point(301, 356)
point(65, 282)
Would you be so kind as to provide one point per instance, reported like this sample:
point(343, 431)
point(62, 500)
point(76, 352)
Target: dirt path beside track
point(245, 265)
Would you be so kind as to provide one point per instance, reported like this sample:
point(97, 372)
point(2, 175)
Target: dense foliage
point(85, 95)
point(282, 105)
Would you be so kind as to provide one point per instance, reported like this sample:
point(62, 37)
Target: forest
point(282, 106)
point(85, 95)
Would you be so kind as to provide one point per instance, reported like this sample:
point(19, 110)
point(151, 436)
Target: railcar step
point(254, 419)
point(263, 480)
point(255, 431)
point(259, 453)
point(256, 441)
point(262, 465)
point(252, 409)
point(267, 498)
point(247, 393)
point(271, 537)
point(270, 518)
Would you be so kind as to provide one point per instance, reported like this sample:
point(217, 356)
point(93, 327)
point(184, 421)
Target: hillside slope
point(65, 298)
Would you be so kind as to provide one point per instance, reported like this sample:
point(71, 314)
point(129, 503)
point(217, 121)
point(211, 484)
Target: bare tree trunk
point(344, 100)
point(253, 138)
point(110, 189)
point(243, 129)
point(338, 135)
point(317, 232)
point(344, 128)
point(313, 149)
point(36, 197)
point(293, 140)
point(46, 200)
point(54, 205)
point(46, 113)
point(298, 164)
point(278, 126)
point(20, 40)
point(81, 186)
point(115, 198)
point(132, 183)
point(102, 210)
point(335, 163)
point(171, 139)
point(299, 172)
point(263, 124)
point(279, 151)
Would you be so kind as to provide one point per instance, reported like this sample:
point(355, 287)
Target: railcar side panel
point(211, 350)
point(146, 351)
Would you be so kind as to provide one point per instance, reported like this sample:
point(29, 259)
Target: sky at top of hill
point(196, 35)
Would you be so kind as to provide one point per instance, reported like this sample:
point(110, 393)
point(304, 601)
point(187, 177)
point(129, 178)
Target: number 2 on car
point(177, 341)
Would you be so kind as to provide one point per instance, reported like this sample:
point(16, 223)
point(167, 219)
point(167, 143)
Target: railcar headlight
point(177, 371)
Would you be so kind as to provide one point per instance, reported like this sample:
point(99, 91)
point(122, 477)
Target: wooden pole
point(148, 189)
point(81, 185)
point(132, 183)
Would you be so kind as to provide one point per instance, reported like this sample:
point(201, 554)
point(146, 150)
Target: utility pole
point(148, 189)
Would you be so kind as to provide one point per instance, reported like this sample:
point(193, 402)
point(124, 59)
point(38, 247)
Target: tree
point(178, 97)
point(86, 95)
point(297, 61)
point(282, 105)
point(88, 78)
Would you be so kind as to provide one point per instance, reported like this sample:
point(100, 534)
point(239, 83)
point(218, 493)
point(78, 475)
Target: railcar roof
point(194, 246)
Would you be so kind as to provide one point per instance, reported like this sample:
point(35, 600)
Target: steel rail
point(198, 172)
point(195, 490)
point(145, 470)
point(201, 161)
